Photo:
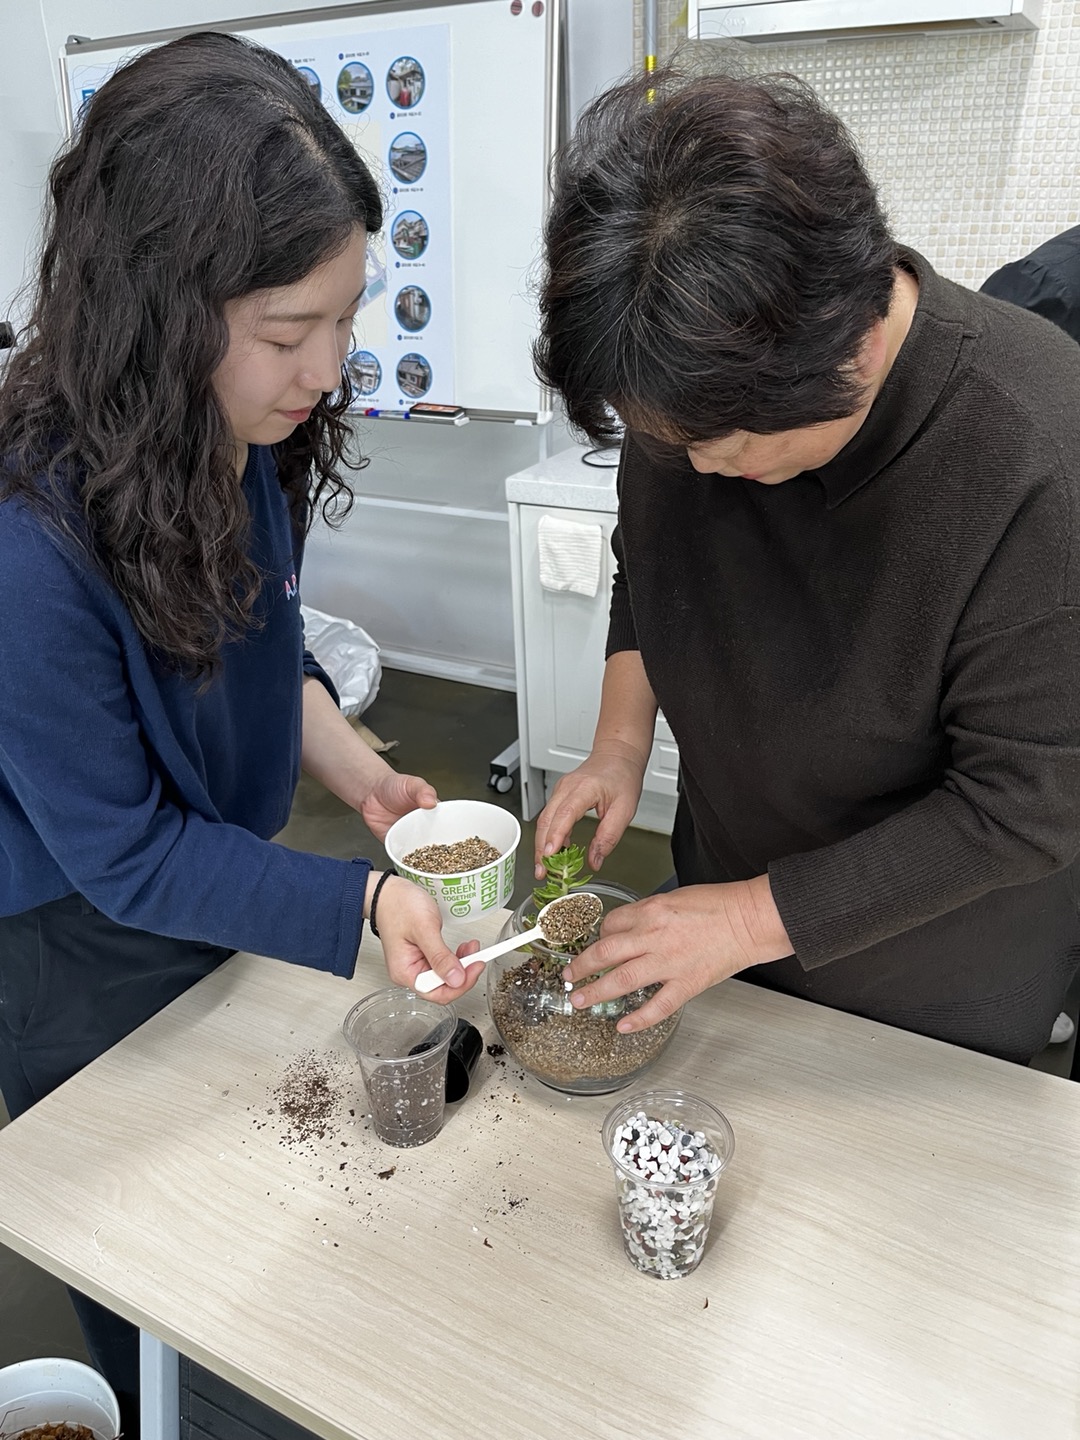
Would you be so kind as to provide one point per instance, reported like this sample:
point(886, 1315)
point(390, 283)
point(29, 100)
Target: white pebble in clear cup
point(668, 1150)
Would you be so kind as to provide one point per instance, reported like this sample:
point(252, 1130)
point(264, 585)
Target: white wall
point(431, 584)
point(601, 46)
point(29, 133)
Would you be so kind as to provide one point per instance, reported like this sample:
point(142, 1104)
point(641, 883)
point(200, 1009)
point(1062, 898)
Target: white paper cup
point(474, 891)
point(56, 1392)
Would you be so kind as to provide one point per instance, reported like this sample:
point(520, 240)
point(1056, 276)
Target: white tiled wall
point(973, 139)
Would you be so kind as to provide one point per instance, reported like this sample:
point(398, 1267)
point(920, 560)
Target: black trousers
point(72, 984)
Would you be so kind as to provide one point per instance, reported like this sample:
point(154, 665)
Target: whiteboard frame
point(80, 46)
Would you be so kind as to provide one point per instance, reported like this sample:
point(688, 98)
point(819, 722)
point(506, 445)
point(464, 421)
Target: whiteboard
point(454, 105)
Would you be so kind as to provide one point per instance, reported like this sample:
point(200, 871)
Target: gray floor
point(448, 733)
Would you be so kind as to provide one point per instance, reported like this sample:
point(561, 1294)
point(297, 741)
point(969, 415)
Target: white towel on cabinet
point(570, 555)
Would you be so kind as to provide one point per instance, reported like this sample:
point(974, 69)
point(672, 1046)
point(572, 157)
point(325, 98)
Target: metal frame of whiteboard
point(776, 21)
point(329, 14)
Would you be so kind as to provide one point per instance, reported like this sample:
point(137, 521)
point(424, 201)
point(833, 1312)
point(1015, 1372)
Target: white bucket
point(471, 893)
point(56, 1392)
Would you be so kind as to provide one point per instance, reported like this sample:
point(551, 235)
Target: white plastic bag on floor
point(349, 656)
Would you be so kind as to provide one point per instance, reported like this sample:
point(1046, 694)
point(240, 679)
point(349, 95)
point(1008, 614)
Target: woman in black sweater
point(847, 529)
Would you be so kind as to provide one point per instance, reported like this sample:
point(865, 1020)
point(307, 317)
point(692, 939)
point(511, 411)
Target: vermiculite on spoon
point(570, 918)
point(560, 922)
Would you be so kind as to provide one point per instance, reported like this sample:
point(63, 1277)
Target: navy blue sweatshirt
point(120, 781)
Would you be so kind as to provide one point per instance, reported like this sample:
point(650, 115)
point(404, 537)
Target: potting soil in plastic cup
point(401, 1042)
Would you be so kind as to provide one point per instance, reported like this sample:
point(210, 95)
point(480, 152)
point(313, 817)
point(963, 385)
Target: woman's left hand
point(392, 796)
point(684, 940)
point(410, 930)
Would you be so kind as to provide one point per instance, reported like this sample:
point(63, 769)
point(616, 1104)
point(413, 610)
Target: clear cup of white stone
point(668, 1150)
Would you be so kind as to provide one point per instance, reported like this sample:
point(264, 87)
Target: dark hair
point(202, 171)
point(715, 256)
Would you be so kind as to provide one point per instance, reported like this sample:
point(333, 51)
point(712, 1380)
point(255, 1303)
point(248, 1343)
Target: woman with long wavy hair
point(171, 423)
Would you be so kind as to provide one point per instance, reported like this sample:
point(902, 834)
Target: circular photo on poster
point(412, 308)
point(355, 88)
point(414, 375)
point(405, 82)
point(365, 372)
point(306, 72)
point(408, 158)
point(409, 235)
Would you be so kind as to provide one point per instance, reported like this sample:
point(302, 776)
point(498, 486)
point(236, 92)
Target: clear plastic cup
point(665, 1225)
point(401, 1043)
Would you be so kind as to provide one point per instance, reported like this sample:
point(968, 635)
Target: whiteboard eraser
point(444, 414)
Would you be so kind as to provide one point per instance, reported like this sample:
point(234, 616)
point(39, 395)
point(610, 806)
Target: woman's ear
point(873, 352)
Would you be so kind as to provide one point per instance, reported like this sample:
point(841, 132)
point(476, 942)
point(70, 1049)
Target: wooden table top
point(895, 1250)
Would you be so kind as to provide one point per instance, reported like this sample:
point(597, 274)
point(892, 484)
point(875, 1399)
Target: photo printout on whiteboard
point(389, 90)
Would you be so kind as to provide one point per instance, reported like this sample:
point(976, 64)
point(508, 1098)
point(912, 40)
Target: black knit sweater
point(873, 675)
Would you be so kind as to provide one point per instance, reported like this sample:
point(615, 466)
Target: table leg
point(159, 1383)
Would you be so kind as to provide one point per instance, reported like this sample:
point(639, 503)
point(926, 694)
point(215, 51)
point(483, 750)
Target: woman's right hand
point(609, 782)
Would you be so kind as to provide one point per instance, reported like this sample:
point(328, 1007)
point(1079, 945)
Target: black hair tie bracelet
point(375, 900)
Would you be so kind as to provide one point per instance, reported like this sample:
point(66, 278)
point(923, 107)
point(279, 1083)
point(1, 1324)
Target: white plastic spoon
point(431, 980)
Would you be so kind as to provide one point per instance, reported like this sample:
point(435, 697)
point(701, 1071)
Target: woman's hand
point(392, 796)
point(683, 940)
point(609, 782)
point(410, 929)
point(335, 754)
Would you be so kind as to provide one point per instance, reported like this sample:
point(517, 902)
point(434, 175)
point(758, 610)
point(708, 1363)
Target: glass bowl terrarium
point(576, 1051)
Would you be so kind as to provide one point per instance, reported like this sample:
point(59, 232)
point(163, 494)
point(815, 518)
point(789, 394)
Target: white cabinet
point(559, 641)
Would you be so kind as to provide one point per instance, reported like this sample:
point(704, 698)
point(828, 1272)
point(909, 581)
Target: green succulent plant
point(562, 873)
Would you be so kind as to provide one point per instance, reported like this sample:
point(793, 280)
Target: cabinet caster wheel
point(504, 767)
